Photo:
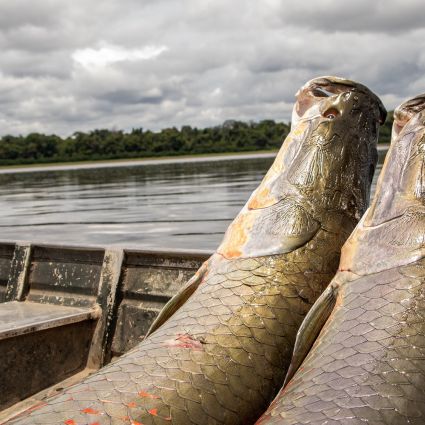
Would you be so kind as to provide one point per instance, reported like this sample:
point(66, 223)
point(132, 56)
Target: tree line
point(231, 136)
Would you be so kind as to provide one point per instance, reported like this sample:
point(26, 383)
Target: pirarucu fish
point(367, 365)
point(219, 350)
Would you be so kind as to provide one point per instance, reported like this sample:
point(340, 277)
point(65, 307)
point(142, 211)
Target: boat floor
point(39, 398)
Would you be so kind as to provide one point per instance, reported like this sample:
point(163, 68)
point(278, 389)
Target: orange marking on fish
point(135, 423)
point(261, 199)
point(95, 423)
point(70, 422)
point(236, 236)
point(90, 411)
point(233, 253)
point(147, 395)
point(131, 404)
point(154, 412)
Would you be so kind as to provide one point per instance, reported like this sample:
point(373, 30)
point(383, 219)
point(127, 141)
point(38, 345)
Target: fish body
point(219, 350)
point(367, 365)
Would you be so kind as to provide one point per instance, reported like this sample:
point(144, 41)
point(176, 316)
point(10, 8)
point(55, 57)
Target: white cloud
point(108, 54)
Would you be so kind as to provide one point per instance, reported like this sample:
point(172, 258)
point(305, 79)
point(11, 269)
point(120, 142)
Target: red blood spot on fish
point(185, 341)
point(131, 404)
point(70, 422)
point(147, 395)
point(90, 411)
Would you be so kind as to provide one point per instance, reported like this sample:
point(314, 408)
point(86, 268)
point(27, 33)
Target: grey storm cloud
point(80, 65)
point(361, 15)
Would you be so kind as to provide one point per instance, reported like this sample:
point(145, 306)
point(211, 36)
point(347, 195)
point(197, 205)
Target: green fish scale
point(220, 359)
point(367, 365)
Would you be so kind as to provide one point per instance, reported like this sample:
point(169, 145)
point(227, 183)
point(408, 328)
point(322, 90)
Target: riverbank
point(24, 168)
point(136, 161)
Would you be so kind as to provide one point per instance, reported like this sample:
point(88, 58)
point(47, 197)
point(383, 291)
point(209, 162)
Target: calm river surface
point(156, 204)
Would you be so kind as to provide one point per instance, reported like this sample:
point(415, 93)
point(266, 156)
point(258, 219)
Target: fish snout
point(332, 96)
point(335, 106)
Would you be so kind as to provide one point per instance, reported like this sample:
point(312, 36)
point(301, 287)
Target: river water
point(152, 204)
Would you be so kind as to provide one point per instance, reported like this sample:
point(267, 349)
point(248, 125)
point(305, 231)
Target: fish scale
point(367, 365)
point(242, 356)
point(220, 356)
point(368, 372)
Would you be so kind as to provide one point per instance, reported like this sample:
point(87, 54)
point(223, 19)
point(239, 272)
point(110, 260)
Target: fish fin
point(279, 228)
point(310, 328)
point(179, 299)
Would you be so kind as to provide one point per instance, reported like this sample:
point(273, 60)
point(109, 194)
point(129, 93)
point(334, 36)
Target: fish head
point(336, 159)
point(321, 175)
point(393, 229)
point(401, 185)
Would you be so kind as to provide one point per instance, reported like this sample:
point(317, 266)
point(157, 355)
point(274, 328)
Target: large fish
point(367, 365)
point(219, 350)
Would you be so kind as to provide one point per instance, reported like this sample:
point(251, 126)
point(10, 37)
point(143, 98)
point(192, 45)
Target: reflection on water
point(186, 204)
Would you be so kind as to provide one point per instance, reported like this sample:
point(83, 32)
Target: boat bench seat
point(41, 344)
point(20, 318)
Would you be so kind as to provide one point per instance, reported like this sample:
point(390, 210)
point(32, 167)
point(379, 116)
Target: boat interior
point(66, 311)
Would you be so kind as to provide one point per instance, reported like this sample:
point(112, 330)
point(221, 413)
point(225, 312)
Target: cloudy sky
point(83, 64)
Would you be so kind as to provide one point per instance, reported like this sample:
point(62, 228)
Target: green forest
point(231, 136)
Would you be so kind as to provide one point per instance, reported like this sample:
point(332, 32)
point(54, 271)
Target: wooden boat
point(66, 311)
